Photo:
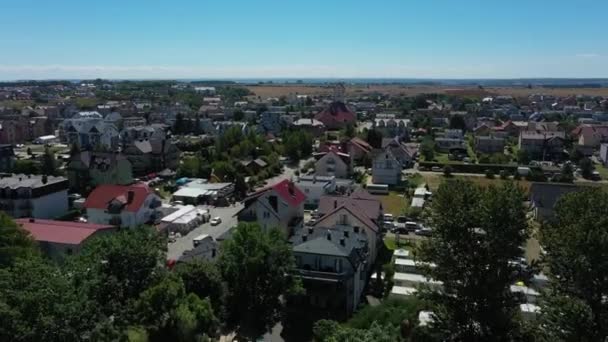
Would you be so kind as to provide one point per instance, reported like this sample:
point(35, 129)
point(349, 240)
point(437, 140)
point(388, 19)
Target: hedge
point(472, 168)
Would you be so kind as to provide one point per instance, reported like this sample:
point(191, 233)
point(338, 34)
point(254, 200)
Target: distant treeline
point(34, 83)
point(212, 83)
point(584, 85)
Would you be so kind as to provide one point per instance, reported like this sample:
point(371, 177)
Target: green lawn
point(603, 171)
point(409, 244)
point(442, 158)
point(393, 203)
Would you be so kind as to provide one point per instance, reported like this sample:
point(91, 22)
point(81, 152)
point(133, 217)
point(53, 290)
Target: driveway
point(177, 248)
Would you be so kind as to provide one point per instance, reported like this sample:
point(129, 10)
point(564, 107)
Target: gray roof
point(28, 181)
point(546, 195)
point(320, 245)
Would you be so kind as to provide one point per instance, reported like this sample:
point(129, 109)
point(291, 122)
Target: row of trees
point(118, 289)
point(478, 232)
point(223, 159)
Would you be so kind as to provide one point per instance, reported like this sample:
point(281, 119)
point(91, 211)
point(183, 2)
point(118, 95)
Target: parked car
point(436, 169)
point(401, 220)
point(411, 226)
point(424, 231)
point(400, 230)
point(388, 225)
point(389, 217)
point(215, 221)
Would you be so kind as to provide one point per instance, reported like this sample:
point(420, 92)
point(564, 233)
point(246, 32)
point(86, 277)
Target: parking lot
point(184, 243)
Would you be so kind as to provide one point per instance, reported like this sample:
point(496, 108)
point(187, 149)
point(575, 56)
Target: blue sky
point(42, 39)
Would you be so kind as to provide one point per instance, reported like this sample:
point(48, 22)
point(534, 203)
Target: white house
point(34, 196)
point(333, 163)
point(331, 262)
point(386, 169)
point(122, 205)
point(316, 186)
point(88, 130)
point(278, 206)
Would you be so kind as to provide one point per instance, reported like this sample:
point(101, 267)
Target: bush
point(447, 171)
point(489, 174)
point(516, 176)
point(503, 174)
point(472, 168)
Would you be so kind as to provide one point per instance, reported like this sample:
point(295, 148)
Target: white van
point(411, 226)
point(197, 240)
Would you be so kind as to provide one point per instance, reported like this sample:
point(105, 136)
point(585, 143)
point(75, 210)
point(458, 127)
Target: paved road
point(177, 248)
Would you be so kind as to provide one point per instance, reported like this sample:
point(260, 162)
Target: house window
point(343, 219)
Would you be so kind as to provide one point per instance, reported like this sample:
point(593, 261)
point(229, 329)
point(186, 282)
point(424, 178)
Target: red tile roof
point(102, 195)
point(367, 204)
point(354, 210)
point(71, 233)
point(361, 143)
point(286, 189)
point(337, 114)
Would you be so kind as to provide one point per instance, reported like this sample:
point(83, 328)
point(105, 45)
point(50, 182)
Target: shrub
point(489, 174)
point(503, 174)
point(447, 171)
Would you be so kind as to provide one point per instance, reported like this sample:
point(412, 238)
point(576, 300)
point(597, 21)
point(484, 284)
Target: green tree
point(457, 122)
point(114, 269)
point(15, 242)
point(204, 280)
point(179, 127)
point(331, 331)
point(447, 171)
point(523, 157)
point(349, 131)
point(586, 166)
point(238, 115)
point(26, 167)
point(566, 173)
point(427, 148)
point(374, 138)
point(258, 268)
point(576, 155)
point(168, 313)
point(576, 246)
point(49, 164)
point(477, 231)
point(38, 302)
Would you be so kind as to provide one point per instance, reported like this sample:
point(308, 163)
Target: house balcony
point(328, 276)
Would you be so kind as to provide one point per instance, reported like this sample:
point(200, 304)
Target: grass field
point(278, 90)
point(394, 204)
point(433, 180)
point(602, 170)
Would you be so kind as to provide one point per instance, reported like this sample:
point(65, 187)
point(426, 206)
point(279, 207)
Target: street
point(184, 243)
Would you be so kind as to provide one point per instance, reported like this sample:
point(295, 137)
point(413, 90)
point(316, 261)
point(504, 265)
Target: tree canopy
point(477, 231)
point(258, 268)
point(576, 246)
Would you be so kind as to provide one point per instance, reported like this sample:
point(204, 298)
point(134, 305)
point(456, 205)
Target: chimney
point(290, 188)
point(335, 204)
point(130, 196)
point(342, 242)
